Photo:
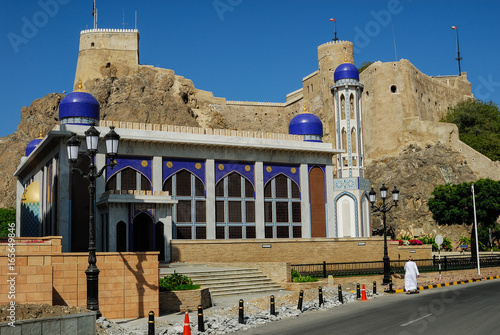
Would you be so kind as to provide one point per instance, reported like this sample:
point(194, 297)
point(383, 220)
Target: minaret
point(351, 189)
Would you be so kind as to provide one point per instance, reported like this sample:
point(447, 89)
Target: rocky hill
point(154, 95)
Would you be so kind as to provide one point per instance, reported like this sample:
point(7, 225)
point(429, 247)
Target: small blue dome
point(346, 71)
point(79, 108)
point(306, 124)
point(32, 145)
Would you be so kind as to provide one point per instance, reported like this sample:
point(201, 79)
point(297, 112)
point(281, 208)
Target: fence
point(375, 268)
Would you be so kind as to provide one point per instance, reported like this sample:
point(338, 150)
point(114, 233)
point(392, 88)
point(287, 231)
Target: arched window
point(353, 140)
point(235, 207)
point(189, 214)
point(344, 139)
point(128, 179)
point(342, 107)
point(351, 106)
point(282, 208)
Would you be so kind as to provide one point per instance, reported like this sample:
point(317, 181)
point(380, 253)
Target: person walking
point(411, 275)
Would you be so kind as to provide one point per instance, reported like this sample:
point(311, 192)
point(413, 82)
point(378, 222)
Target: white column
point(63, 197)
point(330, 205)
point(157, 174)
point(210, 202)
point(165, 216)
point(305, 206)
point(259, 200)
point(117, 212)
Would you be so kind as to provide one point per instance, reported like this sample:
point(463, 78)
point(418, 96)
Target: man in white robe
point(411, 275)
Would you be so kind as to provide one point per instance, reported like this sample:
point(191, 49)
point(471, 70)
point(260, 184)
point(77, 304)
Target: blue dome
point(32, 145)
point(306, 124)
point(346, 71)
point(79, 108)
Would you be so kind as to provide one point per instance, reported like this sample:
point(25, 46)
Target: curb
point(420, 288)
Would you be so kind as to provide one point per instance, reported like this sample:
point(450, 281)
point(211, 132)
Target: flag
point(93, 9)
point(332, 19)
point(453, 27)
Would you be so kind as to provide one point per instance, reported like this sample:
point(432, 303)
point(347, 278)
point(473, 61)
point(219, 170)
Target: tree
point(363, 66)
point(478, 124)
point(7, 215)
point(452, 204)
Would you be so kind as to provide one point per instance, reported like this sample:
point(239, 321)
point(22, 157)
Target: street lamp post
point(73, 146)
point(384, 209)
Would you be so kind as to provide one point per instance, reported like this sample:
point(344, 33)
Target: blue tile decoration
point(173, 165)
point(246, 169)
point(141, 164)
point(272, 170)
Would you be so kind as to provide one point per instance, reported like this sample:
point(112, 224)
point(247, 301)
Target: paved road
point(472, 308)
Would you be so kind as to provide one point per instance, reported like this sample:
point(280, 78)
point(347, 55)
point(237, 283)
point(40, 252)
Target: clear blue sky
point(257, 50)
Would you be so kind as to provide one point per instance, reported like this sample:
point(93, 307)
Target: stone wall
point(128, 281)
point(184, 301)
point(303, 251)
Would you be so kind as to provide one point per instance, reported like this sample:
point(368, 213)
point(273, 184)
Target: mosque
point(173, 182)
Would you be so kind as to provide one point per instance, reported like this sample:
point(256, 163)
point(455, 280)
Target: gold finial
point(305, 109)
point(345, 58)
point(80, 85)
point(41, 134)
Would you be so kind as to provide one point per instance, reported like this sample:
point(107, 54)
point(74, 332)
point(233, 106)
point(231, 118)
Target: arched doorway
point(143, 233)
point(318, 221)
point(121, 237)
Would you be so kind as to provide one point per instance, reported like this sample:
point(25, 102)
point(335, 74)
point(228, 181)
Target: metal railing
point(448, 263)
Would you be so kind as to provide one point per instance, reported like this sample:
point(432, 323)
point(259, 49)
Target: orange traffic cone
point(187, 326)
point(363, 294)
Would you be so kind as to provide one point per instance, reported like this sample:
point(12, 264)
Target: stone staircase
point(224, 281)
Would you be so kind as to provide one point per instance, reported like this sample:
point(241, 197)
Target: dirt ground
point(32, 311)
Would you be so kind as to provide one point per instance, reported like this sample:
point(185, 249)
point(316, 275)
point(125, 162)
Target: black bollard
point(341, 299)
point(358, 292)
point(201, 324)
point(374, 287)
point(151, 323)
point(241, 316)
point(301, 297)
point(273, 310)
point(320, 292)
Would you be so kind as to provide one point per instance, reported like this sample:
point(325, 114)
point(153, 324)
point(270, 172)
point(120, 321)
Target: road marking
point(409, 323)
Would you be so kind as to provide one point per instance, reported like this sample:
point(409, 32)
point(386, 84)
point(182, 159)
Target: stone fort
point(401, 105)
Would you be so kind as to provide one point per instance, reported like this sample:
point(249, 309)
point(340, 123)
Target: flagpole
point(458, 52)
point(335, 39)
point(475, 229)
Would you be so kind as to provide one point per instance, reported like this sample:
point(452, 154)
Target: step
point(246, 291)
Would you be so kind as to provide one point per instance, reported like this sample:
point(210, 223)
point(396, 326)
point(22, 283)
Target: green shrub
point(176, 282)
point(297, 277)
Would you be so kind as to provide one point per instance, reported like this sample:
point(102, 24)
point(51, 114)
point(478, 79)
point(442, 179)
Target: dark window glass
point(250, 211)
point(248, 189)
point(201, 211)
point(295, 191)
point(234, 185)
point(219, 233)
point(235, 232)
point(183, 233)
point(219, 211)
point(129, 179)
point(269, 231)
point(251, 233)
point(282, 231)
point(183, 183)
point(268, 190)
point(268, 211)
point(111, 184)
point(297, 232)
point(296, 214)
point(201, 233)
point(199, 188)
point(234, 211)
point(282, 212)
point(281, 186)
point(168, 186)
point(184, 211)
point(219, 188)
point(145, 184)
